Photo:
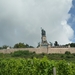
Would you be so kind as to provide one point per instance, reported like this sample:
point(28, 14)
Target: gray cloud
point(21, 20)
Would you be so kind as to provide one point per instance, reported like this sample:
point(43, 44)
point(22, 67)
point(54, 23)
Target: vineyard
point(35, 66)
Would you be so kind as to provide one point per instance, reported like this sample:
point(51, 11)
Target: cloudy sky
point(21, 21)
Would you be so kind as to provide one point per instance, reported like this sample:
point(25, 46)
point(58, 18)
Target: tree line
point(71, 44)
point(17, 45)
point(22, 45)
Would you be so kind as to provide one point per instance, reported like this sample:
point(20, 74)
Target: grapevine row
point(35, 66)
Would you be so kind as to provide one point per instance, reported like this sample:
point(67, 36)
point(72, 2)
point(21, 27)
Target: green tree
point(56, 43)
point(22, 45)
point(4, 47)
point(0, 47)
point(19, 45)
point(27, 46)
point(72, 44)
point(31, 47)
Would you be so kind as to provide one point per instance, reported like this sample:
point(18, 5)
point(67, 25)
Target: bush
point(69, 56)
point(67, 52)
point(20, 53)
point(73, 54)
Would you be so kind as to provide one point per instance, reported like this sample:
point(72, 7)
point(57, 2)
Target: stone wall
point(41, 50)
point(61, 50)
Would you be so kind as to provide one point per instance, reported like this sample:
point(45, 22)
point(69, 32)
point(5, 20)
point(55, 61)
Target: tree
point(0, 47)
point(31, 47)
point(72, 44)
point(56, 43)
point(22, 45)
point(27, 46)
point(19, 45)
point(4, 47)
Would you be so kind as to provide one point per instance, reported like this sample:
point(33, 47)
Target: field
point(35, 66)
point(30, 63)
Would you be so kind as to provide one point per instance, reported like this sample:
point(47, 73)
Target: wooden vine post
point(54, 71)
